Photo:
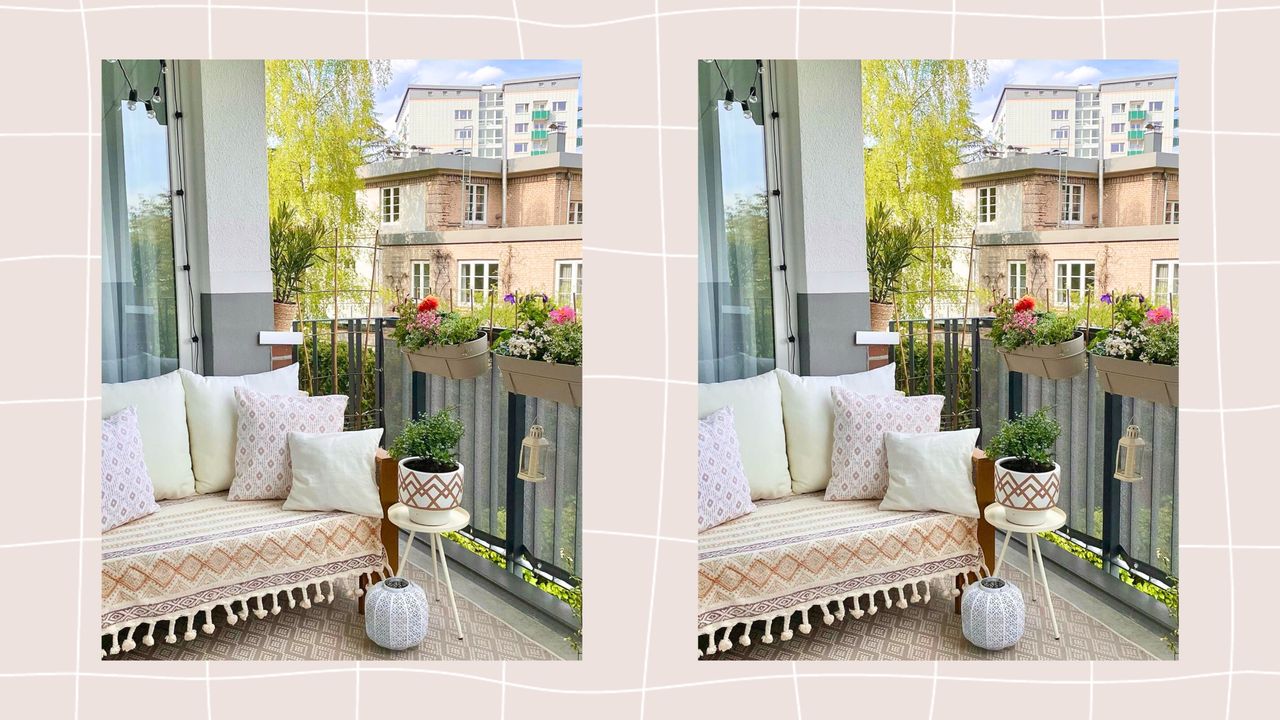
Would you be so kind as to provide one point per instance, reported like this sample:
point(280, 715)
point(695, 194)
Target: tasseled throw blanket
point(803, 552)
point(201, 553)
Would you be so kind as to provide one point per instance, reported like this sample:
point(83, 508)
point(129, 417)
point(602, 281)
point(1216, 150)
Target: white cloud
point(1078, 76)
point(481, 76)
point(999, 67)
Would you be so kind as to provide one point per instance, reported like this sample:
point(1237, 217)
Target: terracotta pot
point(285, 314)
point(456, 362)
point(1027, 497)
point(430, 496)
point(549, 381)
point(881, 314)
point(1053, 362)
point(1134, 378)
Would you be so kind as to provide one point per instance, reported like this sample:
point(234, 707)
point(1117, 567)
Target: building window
point(476, 196)
point(1017, 278)
point(521, 147)
point(1156, 105)
point(1117, 147)
point(1171, 212)
point(477, 281)
point(390, 204)
point(420, 273)
point(987, 204)
point(568, 282)
point(575, 213)
point(1058, 133)
point(1117, 127)
point(522, 108)
point(522, 127)
point(1072, 203)
point(1072, 279)
point(461, 114)
point(1164, 282)
point(1057, 114)
point(559, 105)
point(462, 134)
point(1117, 108)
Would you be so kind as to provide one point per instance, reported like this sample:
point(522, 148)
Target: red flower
point(1026, 303)
point(430, 302)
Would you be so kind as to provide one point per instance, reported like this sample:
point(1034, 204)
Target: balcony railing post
point(515, 486)
point(1111, 431)
point(418, 395)
point(380, 351)
point(1015, 394)
point(976, 360)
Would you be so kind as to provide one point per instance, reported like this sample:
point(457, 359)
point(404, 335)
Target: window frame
point(521, 128)
point(1065, 204)
point(1171, 295)
point(575, 212)
point(474, 192)
point(520, 147)
point(575, 280)
point(1155, 106)
point(525, 111)
point(987, 210)
point(559, 106)
point(1010, 285)
point(1172, 209)
point(414, 265)
point(1058, 114)
point(392, 193)
point(463, 133)
point(1123, 108)
point(1087, 280)
point(469, 298)
point(461, 115)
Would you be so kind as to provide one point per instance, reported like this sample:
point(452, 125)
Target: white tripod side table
point(458, 519)
point(1055, 519)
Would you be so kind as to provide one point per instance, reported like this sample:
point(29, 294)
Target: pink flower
point(1023, 320)
point(562, 315)
point(1160, 315)
point(426, 321)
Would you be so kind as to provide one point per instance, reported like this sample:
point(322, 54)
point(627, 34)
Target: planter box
point(456, 362)
point(881, 315)
point(1053, 362)
point(549, 381)
point(1134, 378)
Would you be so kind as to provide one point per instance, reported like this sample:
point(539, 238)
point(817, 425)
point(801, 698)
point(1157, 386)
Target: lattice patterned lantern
point(533, 452)
point(1129, 455)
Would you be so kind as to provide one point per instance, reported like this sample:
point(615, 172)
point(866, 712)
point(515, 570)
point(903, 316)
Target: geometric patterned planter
point(429, 496)
point(1134, 378)
point(1027, 497)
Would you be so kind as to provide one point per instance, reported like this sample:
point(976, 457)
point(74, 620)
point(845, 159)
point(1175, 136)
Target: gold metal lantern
point(533, 455)
point(1129, 455)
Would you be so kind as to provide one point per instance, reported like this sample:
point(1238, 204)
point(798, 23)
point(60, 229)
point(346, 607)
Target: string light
point(728, 99)
point(133, 99)
point(155, 95)
point(746, 110)
point(751, 96)
point(151, 111)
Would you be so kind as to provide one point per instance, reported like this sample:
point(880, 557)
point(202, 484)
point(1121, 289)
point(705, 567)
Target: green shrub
point(1029, 439)
point(434, 438)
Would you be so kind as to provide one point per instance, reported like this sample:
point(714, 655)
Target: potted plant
point(1027, 479)
point(294, 248)
point(891, 248)
point(1138, 355)
point(429, 481)
point(440, 342)
point(1041, 343)
point(542, 355)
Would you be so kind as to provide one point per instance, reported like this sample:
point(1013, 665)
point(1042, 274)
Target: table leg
point(435, 570)
point(457, 619)
point(1003, 548)
point(1031, 566)
point(1044, 580)
point(404, 556)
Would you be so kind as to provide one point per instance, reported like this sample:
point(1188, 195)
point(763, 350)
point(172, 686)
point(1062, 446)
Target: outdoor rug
point(932, 632)
point(335, 631)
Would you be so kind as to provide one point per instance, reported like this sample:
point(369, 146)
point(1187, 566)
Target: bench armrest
point(984, 485)
point(387, 474)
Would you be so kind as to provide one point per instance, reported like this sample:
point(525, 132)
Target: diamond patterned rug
point(335, 631)
point(932, 632)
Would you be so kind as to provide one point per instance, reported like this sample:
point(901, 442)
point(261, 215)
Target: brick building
point(464, 227)
point(1041, 230)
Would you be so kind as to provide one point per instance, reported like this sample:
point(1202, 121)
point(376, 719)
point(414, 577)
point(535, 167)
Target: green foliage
point(315, 371)
point(434, 437)
point(542, 331)
point(1018, 324)
point(891, 249)
point(746, 222)
point(564, 343)
point(919, 382)
point(419, 325)
point(1139, 331)
point(1029, 438)
point(151, 260)
point(294, 249)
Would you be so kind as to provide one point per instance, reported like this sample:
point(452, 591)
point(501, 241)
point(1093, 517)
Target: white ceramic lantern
point(533, 455)
point(396, 614)
point(1129, 455)
point(992, 614)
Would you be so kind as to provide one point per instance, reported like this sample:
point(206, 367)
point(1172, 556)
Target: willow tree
point(320, 126)
point(918, 126)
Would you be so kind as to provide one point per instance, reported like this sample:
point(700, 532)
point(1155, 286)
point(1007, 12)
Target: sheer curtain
point(139, 301)
point(735, 294)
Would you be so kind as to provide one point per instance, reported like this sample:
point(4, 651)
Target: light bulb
point(728, 99)
point(155, 95)
point(708, 61)
point(746, 111)
point(164, 68)
point(751, 98)
point(133, 99)
point(113, 62)
point(151, 112)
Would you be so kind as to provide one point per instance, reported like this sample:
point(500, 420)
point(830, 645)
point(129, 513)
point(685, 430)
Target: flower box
point(456, 362)
point(1054, 362)
point(1134, 378)
point(546, 380)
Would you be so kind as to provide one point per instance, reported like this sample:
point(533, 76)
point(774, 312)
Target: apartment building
point(1043, 228)
point(1105, 120)
point(462, 228)
point(519, 116)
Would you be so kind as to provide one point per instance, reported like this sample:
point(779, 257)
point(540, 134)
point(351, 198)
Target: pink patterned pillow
point(127, 492)
point(723, 490)
point(263, 471)
point(859, 465)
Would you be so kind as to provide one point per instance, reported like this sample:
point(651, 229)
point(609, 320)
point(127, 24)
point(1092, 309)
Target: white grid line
point(84, 391)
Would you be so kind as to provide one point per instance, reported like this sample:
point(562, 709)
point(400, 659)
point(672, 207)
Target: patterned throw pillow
point(127, 492)
point(263, 471)
point(723, 490)
point(859, 465)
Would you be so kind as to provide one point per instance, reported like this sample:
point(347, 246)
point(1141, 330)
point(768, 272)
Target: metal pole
point(933, 244)
point(1015, 394)
point(515, 486)
point(1111, 431)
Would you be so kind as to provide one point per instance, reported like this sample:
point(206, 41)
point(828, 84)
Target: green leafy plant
point(423, 323)
point(1028, 440)
point(1139, 331)
point(433, 439)
point(891, 249)
point(543, 331)
point(1017, 324)
point(294, 249)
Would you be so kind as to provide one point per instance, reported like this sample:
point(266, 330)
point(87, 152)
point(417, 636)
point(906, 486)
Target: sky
point(460, 72)
point(1055, 72)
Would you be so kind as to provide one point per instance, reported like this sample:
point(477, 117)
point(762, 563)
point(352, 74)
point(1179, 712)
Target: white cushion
point(809, 420)
point(162, 420)
point(757, 414)
point(335, 471)
point(931, 471)
point(127, 492)
point(263, 470)
point(211, 420)
point(723, 490)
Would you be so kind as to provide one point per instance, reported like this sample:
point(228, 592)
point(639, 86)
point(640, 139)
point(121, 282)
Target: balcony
point(1135, 115)
point(1136, 134)
point(538, 135)
point(541, 114)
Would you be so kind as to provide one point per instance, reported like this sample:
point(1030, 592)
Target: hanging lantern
point(533, 452)
point(1129, 454)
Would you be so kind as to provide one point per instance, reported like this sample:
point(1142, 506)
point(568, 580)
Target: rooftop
point(1023, 163)
point(1074, 88)
point(445, 162)
point(576, 77)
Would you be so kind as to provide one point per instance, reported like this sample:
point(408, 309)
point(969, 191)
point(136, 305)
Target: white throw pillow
point(723, 490)
point(162, 420)
point(757, 416)
point(211, 420)
point(335, 471)
point(809, 418)
point(127, 492)
point(931, 471)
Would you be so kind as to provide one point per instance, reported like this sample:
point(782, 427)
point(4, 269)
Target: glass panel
point(735, 286)
point(139, 297)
